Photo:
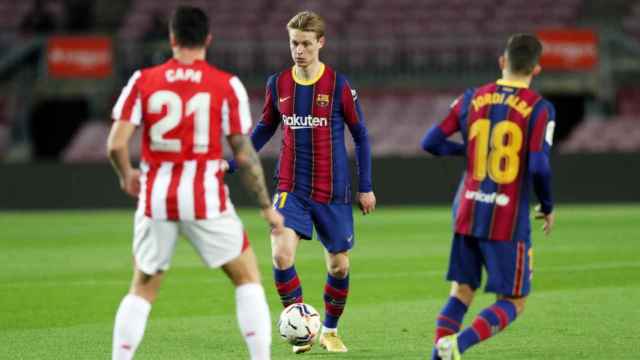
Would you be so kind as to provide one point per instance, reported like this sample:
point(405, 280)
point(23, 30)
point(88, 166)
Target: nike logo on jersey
point(283, 99)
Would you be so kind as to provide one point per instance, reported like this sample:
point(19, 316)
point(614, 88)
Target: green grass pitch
point(62, 275)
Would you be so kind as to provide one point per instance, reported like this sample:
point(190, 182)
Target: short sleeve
point(236, 114)
point(129, 107)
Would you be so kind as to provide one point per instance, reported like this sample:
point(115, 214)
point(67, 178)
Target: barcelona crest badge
point(322, 100)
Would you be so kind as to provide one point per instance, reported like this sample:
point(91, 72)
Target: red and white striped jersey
point(184, 109)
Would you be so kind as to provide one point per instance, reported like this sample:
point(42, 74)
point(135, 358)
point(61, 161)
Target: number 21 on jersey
point(198, 105)
point(496, 152)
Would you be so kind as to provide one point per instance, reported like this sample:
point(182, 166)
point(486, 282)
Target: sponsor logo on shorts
point(492, 198)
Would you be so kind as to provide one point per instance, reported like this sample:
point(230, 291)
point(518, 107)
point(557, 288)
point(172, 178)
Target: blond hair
point(307, 21)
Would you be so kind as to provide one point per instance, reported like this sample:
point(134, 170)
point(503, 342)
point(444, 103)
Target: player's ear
point(321, 41)
point(208, 41)
point(502, 62)
point(172, 40)
point(536, 70)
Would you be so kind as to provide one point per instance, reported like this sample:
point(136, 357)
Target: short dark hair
point(523, 52)
point(190, 26)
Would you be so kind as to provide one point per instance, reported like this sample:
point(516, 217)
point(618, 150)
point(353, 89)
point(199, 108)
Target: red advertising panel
point(569, 49)
point(79, 56)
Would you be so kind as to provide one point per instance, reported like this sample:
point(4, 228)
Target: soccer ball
point(299, 324)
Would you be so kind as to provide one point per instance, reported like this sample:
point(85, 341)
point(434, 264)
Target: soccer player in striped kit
point(507, 130)
point(313, 105)
point(184, 107)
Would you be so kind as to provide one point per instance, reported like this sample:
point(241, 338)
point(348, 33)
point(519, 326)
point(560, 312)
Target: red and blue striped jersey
point(313, 114)
point(502, 125)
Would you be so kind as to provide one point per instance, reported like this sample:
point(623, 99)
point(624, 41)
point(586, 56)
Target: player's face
point(305, 47)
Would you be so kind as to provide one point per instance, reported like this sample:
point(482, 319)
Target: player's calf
point(488, 323)
point(449, 321)
point(288, 285)
point(336, 289)
point(129, 327)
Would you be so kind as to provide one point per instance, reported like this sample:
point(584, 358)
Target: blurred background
point(64, 62)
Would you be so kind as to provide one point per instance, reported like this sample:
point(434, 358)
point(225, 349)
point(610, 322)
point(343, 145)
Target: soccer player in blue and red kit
point(507, 130)
point(313, 105)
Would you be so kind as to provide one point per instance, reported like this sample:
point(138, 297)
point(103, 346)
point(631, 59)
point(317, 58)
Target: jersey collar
point(310, 81)
point(515, 84)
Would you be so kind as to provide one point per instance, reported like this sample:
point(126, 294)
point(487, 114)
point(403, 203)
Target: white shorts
point(217, 240)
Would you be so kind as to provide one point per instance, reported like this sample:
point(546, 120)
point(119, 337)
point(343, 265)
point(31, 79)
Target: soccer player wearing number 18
point(184, 106)
point(507, 130)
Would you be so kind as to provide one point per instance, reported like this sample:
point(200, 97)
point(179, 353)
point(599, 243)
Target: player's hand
point(275, 220)
point(130, 182)
point(367, 202)
point(224, 165)
point(548, 220)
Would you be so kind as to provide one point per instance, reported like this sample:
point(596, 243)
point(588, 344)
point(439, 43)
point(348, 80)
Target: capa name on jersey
point(301, 122)
point(180, 74)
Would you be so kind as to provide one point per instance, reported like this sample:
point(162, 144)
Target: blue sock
point(489, 322)
point(335, 299)
point(288, 285)
point(449, 321)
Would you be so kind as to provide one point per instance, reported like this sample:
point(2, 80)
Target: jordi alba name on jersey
point(501, 124)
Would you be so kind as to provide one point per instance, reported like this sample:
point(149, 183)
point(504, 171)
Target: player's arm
point(252, 176)
point(250, 168)
point(435, 140)
point(118, 152)
point(540, 166)
point(236, 125)
point(355, 122)
point(127, 116)
point(266, 127)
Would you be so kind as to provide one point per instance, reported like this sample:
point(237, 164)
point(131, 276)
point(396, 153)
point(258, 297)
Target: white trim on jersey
point(186, 208)
point(244, 112)
point(124, 95)
point(159, 190)
point(226, 127)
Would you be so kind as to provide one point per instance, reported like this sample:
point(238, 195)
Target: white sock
point(254, 320)
point(131, 320)
point(326, 330)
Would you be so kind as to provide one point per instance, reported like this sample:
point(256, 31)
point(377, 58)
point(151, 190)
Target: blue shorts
point(333, 222)
point(508, 264)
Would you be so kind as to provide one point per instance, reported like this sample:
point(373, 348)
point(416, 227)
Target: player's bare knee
point(149, 293)
point(146, 286)
point(283, 259)
point(243, 269)
point(463, 292)
point(339, 271)
point(338, 264)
